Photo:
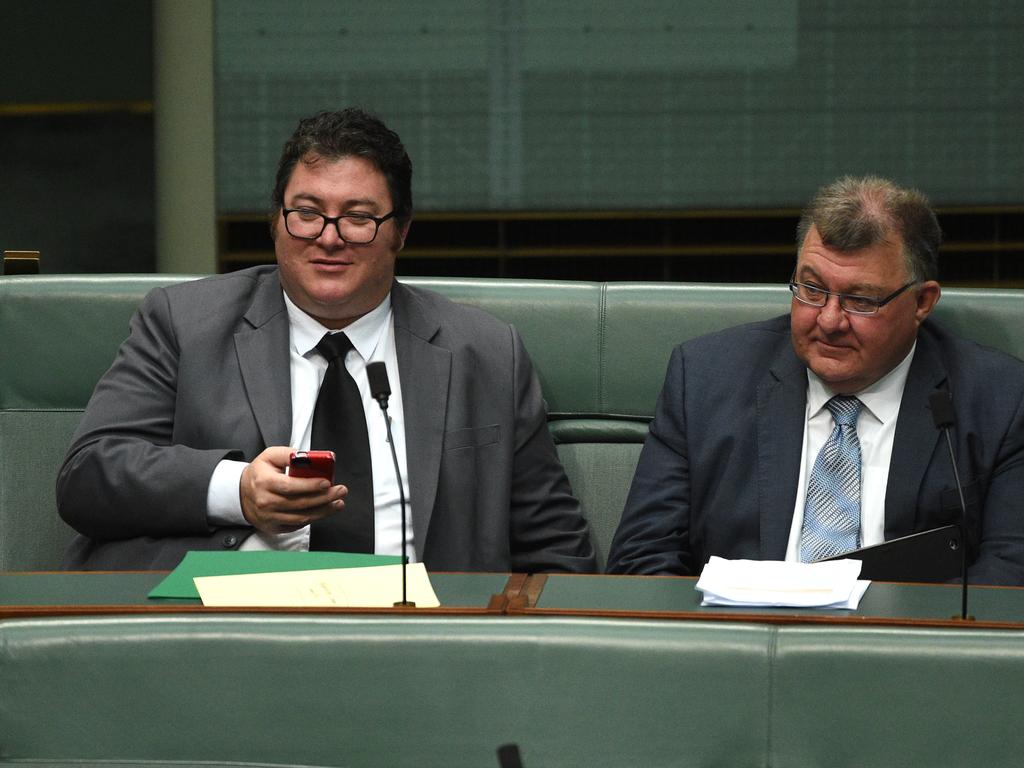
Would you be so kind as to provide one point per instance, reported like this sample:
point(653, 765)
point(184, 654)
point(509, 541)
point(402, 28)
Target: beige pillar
point(186, 220)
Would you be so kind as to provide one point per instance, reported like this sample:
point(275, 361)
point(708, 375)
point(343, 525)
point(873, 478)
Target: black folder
point(929, 556)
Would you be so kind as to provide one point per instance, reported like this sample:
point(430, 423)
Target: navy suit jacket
point(204, 376)
point(719, 470)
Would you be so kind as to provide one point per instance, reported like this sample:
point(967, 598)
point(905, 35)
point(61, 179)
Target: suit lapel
point(424, 370)
point(263, 359)
point(781, 413)
point(914, 441)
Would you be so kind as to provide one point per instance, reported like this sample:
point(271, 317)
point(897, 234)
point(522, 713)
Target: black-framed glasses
point(849, 302)
point(353, 228)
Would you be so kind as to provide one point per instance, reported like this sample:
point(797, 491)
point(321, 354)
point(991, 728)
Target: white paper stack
point(772, 583)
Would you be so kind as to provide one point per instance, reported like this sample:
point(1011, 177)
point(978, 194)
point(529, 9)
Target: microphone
point(508, 756)
point(380, 390)
point(944, 416)
point(380, 387)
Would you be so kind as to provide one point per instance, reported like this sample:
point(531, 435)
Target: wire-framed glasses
point(850, 302)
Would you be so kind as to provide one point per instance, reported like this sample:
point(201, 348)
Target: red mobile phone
point(312, 464)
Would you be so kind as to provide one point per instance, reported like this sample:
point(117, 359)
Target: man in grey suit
point(811, 434)
point(186, 441)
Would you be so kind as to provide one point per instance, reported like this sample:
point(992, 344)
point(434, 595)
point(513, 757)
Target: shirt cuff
point(223, 501)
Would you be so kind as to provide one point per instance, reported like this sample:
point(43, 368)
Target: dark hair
point(350, 132)
point(853, 213)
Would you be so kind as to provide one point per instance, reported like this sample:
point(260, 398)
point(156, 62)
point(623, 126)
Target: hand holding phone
point(312, 464)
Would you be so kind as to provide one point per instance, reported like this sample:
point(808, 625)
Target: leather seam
point(773, 647)
point(602, 342)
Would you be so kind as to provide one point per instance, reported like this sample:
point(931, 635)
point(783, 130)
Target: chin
point(327, 284)
point(828, 371)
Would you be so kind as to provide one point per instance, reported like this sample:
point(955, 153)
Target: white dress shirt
point(876, 428)
point(373, 339)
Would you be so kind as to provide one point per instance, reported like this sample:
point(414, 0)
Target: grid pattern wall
point(523, 104)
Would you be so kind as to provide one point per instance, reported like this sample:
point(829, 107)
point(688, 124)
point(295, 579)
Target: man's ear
point(927, 297)
point(403, 233)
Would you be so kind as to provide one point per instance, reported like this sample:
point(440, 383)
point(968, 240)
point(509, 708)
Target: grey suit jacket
point(719, 471)
point(204, 376)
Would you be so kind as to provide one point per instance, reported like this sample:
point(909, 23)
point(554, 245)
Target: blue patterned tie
point(832, 513)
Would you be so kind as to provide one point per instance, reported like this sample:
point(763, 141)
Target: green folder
point(179, 584)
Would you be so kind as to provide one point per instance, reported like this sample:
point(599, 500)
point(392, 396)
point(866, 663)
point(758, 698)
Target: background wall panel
point(652, 104)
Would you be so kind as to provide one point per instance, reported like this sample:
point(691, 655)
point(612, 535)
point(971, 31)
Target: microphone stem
point(963, 526)
point(401, 499)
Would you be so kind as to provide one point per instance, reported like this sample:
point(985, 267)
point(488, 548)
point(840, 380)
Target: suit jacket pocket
point(472, 437)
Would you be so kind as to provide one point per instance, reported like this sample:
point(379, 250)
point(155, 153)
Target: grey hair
point(853, 213)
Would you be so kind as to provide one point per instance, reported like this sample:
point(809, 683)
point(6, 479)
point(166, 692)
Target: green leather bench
point(572, 693)
point(600, 350)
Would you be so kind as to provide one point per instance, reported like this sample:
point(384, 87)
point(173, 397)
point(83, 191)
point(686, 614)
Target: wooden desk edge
point(954, 622)
point(497, 604)
point(526, 605)
point(519, 597)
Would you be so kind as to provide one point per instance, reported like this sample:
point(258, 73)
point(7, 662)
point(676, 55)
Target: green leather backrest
point(367, 692)
point(32, 447)
point(896, 696)
point(431, 691)
point(60, 334)
point(600, 350)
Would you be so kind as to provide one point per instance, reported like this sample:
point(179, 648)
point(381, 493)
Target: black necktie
point(339, 425)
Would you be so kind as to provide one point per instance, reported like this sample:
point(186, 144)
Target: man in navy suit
point(743, 414)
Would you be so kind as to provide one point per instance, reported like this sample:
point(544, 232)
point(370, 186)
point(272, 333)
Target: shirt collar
point(881, 399)
point(364, 333)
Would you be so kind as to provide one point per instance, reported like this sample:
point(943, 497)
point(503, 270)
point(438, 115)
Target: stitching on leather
point(602, 345)
point(773, 647)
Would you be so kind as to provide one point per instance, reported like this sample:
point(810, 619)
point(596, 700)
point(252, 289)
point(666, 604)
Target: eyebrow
point(309, 197)
point(860, 289)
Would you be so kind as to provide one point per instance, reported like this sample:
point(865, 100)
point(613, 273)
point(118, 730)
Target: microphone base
point(958, 617)
point(411, 604)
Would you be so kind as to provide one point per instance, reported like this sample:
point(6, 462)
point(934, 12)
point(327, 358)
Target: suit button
point(230, 541)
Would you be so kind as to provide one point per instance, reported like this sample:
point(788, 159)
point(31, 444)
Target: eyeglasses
point(353, 228)
point(849, 302)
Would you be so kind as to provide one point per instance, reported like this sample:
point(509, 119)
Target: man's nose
point(330, 237)
point(831, 316)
